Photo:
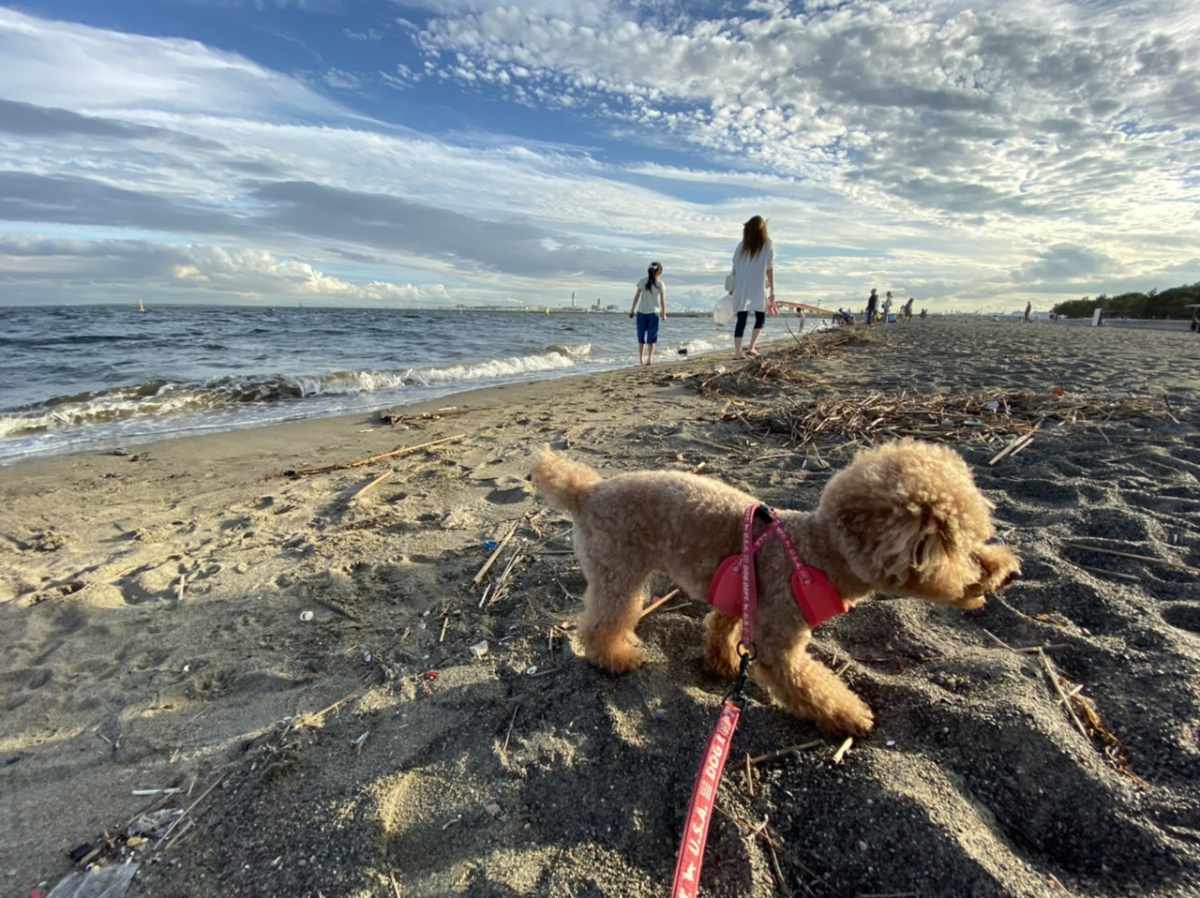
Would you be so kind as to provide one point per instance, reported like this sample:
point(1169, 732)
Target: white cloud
point(62, 64)
point(940, 153)
point(264, 273)
point(402, 79)
point(53, 269)
point(341, 79)
point(922, 107)
point(368, 34)
point(1063, 263)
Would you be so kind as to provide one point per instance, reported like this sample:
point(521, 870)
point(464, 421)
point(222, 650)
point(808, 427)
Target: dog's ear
point(930, 547)
point(906, 516)
point(884, 541)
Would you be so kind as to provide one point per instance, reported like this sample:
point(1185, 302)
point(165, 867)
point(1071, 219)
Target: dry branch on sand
point(988, 417)
point(1004, 419)
point(788, 365)
point(1082, 709)
point(394, 453)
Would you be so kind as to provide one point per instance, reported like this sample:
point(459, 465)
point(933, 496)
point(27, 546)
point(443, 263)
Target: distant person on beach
point(907, 309)
point(649, 298)
point(872, 306)
point(923, 313)
point(887, 307)
point(753, 281)
point(1028, 309)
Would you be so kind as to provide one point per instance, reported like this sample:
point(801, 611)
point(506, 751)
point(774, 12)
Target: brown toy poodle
point(903, 518)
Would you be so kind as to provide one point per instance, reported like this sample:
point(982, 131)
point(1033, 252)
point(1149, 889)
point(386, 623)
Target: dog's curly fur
point(904, 518)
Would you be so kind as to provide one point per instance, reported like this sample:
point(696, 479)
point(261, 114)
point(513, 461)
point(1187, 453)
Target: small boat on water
point(141, 306)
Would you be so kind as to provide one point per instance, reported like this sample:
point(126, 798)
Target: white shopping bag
point(723, 311)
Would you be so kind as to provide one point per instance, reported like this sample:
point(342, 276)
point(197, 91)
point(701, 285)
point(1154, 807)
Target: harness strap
point(749, 580)
point(788, 546)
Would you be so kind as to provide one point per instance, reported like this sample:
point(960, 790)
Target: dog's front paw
point(720, 663)
point(720, 659)
point(720, 645)
point(849, 719)
point(617, 656)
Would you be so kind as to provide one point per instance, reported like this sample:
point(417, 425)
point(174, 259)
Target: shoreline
point(148, 440)
point(176, 618)
point(280, 435)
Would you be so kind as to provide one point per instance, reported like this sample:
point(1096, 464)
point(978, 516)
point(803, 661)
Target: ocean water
point(94, 377)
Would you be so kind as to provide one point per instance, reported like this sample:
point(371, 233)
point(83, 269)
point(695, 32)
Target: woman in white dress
point(753, 281)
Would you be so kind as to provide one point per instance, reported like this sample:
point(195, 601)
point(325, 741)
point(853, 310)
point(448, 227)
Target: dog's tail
point(563, 482)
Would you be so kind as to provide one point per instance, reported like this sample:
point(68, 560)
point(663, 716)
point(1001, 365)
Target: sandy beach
point(303, 665)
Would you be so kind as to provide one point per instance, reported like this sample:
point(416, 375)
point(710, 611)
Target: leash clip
point(737, 694)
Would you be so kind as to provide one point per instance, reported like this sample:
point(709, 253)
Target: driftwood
point(370, 486)
point(487, 565)
point(1066, 699)
point(188, 810)
point(990, 418)
point(394, 453)
point(396, 420)
point(840, 754)
point(1012, 448)
point(658, 603)
point(785, 752)
point(789, 366)
point(317, 718)
point(503, 580)
point(508, 734)
point(1149, 559)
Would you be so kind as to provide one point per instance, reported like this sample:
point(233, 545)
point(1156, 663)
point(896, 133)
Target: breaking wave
point(158, 399)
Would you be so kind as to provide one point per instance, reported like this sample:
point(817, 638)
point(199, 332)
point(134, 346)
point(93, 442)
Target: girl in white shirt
point(753, 281)
point(650, 296)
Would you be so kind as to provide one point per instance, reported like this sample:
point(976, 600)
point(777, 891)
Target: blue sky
point(452, 151)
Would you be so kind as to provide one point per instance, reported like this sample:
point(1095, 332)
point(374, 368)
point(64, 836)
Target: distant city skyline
point(442, 152)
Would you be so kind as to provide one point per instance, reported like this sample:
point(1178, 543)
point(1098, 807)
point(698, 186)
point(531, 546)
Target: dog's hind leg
point(809, 689)
point(721, 635)
point(612, 607)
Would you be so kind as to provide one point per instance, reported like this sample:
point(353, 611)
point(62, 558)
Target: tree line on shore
point(1170, 303)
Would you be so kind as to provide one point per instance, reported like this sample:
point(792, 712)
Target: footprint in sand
point(149, 583)
point(1185, 617)
point(509, 490)
point(1048, 491)
point(1116, 523)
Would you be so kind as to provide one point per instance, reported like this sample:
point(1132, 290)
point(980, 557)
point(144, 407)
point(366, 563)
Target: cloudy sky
point(400, 152)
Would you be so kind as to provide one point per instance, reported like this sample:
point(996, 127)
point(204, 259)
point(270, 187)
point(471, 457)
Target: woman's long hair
point(754, 236)
point(652, 276)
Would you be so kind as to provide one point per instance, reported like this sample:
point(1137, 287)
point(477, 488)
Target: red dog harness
point(814, 595)
point(734, 591)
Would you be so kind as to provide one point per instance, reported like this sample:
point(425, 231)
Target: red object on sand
point(686, 883)
point(815, 596)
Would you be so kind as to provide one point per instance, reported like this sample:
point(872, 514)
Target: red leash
point(818, 601)
point(704, 793)
point(688, 864)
